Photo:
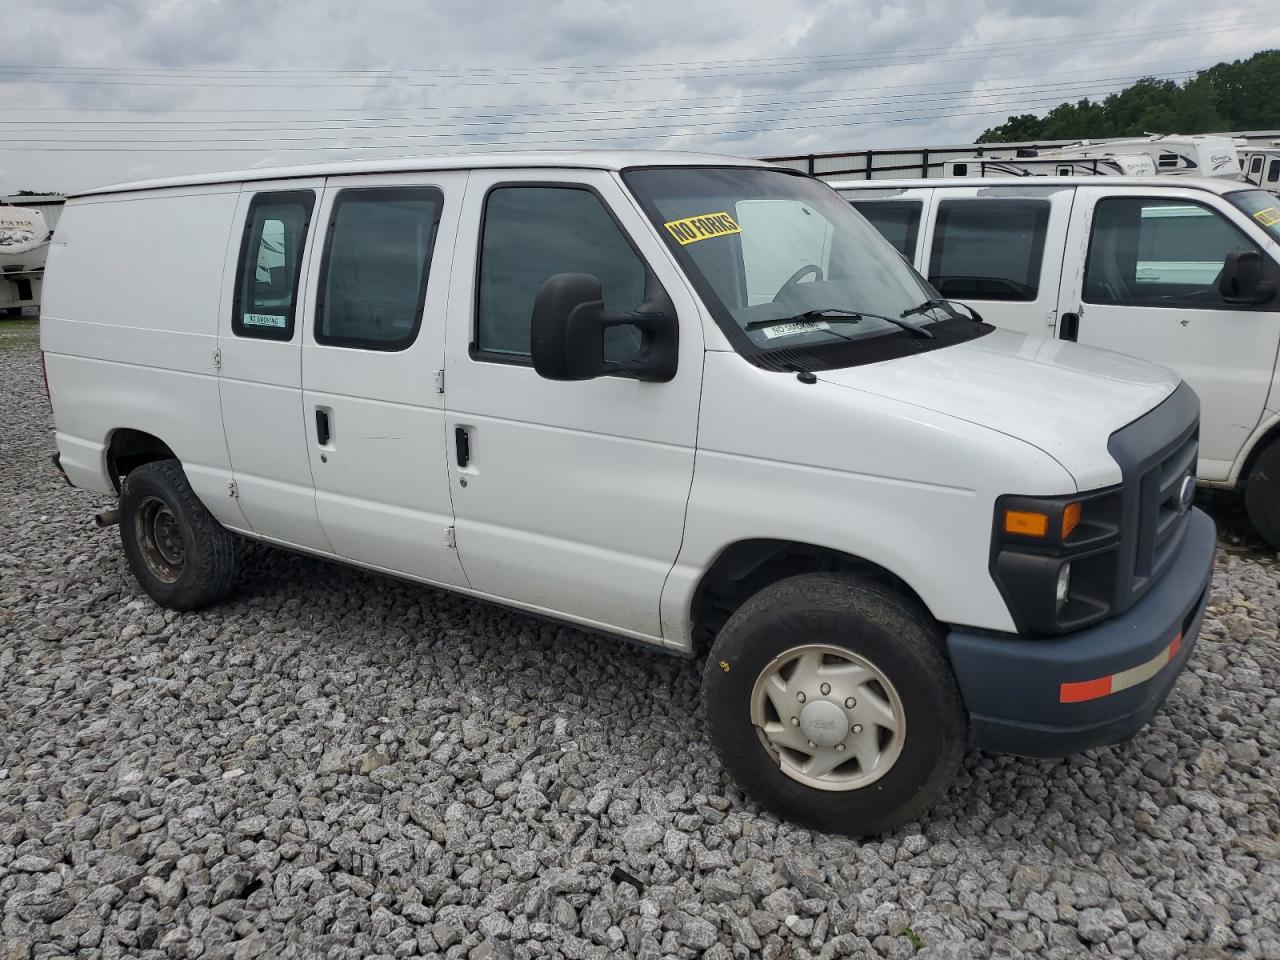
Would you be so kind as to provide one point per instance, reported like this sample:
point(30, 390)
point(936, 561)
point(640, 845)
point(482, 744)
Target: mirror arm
point(648, 323)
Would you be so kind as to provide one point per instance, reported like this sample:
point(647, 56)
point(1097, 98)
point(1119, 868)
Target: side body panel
point(129, 327)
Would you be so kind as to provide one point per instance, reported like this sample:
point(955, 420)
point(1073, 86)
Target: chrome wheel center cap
point(824, 723)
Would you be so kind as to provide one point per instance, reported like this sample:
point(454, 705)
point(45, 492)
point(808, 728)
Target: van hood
point(1064, 398)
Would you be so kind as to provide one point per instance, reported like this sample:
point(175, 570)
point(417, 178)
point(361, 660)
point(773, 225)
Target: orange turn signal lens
point(1071, 518)
point(1026, 522)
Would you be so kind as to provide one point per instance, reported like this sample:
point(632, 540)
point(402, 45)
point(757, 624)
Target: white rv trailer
point(24, 242)
point(1261, 165)
point(1200, 155)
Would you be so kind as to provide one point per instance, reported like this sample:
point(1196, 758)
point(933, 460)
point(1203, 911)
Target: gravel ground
point(337, 764)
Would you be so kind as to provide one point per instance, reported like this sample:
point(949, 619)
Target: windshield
point(1262, 207)
point(767, 246)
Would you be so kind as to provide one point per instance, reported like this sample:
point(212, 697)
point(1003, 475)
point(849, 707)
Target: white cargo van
point(1181, 273)
point(686, 400)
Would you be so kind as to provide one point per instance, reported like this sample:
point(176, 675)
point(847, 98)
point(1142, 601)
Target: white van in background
point(686, 400)
point(1182, 273)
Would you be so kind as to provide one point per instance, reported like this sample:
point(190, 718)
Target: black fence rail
point(909, 162)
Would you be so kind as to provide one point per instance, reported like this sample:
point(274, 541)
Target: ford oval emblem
point(1187, 493)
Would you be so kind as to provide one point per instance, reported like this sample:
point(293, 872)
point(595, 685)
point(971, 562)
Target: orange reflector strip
point(1071, 518)
point(1026, 523)
point(1083, 690)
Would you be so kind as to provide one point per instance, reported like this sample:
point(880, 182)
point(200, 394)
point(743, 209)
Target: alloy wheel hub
point(824, 723)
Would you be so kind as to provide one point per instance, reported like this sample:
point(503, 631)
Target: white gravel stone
point(417, 775)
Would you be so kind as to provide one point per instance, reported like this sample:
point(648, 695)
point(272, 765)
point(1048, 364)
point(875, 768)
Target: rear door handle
point(1069, 326)
point(463, 442)
point(322, 427)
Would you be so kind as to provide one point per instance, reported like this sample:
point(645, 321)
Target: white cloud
point(181, 86)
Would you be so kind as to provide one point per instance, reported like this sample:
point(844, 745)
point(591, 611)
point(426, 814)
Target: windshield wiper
point(837, 315)
point(943, 302)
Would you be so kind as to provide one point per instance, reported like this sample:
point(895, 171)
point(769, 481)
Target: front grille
point(1156, 453)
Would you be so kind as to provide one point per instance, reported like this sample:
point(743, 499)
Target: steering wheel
point(808, 268)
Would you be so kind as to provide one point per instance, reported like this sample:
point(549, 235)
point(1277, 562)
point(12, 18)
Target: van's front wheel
point(1262, 494)
point(830, 699)
point(178, 552)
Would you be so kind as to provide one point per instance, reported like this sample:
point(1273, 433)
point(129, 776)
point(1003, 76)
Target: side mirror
point(1241, 279)
point(567, 336)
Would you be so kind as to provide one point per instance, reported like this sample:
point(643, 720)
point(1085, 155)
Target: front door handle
point(1069, 326)
point(463, 442)
point(322, 427)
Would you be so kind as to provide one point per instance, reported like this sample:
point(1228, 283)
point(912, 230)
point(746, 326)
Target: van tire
point(183, 558)
point(1262, 494)
point(876, 625)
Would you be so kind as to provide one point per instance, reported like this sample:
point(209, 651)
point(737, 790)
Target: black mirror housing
point(1241, 279)
point(568, 326)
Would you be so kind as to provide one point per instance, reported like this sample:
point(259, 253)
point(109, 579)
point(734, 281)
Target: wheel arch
point(127, 449)
point(1267, 433)
point(743, 568)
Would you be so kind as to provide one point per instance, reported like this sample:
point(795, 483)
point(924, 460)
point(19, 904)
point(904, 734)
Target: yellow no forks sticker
point(1268, 216)
point(704, 227)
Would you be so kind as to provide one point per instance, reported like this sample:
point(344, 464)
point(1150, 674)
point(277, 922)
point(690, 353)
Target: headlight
point(1055, 559)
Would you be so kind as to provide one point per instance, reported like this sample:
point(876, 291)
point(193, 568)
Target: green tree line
point(1242, 95)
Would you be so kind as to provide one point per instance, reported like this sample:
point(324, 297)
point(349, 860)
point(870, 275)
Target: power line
point(271, 147)
point(1067, 88)
point(1058, 90)
point(175, 80)
point(802, 95)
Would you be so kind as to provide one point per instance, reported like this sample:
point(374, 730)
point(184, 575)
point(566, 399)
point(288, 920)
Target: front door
point(569, 496)
point(1142, 278)
point(372, 351)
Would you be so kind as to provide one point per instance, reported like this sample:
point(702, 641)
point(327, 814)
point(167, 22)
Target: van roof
point(1217, 185)
point(577, 159)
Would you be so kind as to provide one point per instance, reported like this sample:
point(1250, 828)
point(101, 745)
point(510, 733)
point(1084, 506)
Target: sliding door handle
point(322, 427)
point(1069, 326)
point(462, 440)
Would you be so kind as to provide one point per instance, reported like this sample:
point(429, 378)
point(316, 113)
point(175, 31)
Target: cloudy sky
point(99, 91)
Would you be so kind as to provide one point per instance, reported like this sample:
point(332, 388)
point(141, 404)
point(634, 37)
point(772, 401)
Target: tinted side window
point(897, 220)
point(532, 233)
point(1158, 253)
point(376, 259)
point(1273, 172)
point(989, 249)
point(275, 232)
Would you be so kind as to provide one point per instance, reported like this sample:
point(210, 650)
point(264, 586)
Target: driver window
point(530, 233)
point(1166, 253)
point(782, 240)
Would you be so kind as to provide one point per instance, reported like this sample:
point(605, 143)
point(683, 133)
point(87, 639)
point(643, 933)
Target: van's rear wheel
point(1262, 494)
point(830, 699)
point(178, 552)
